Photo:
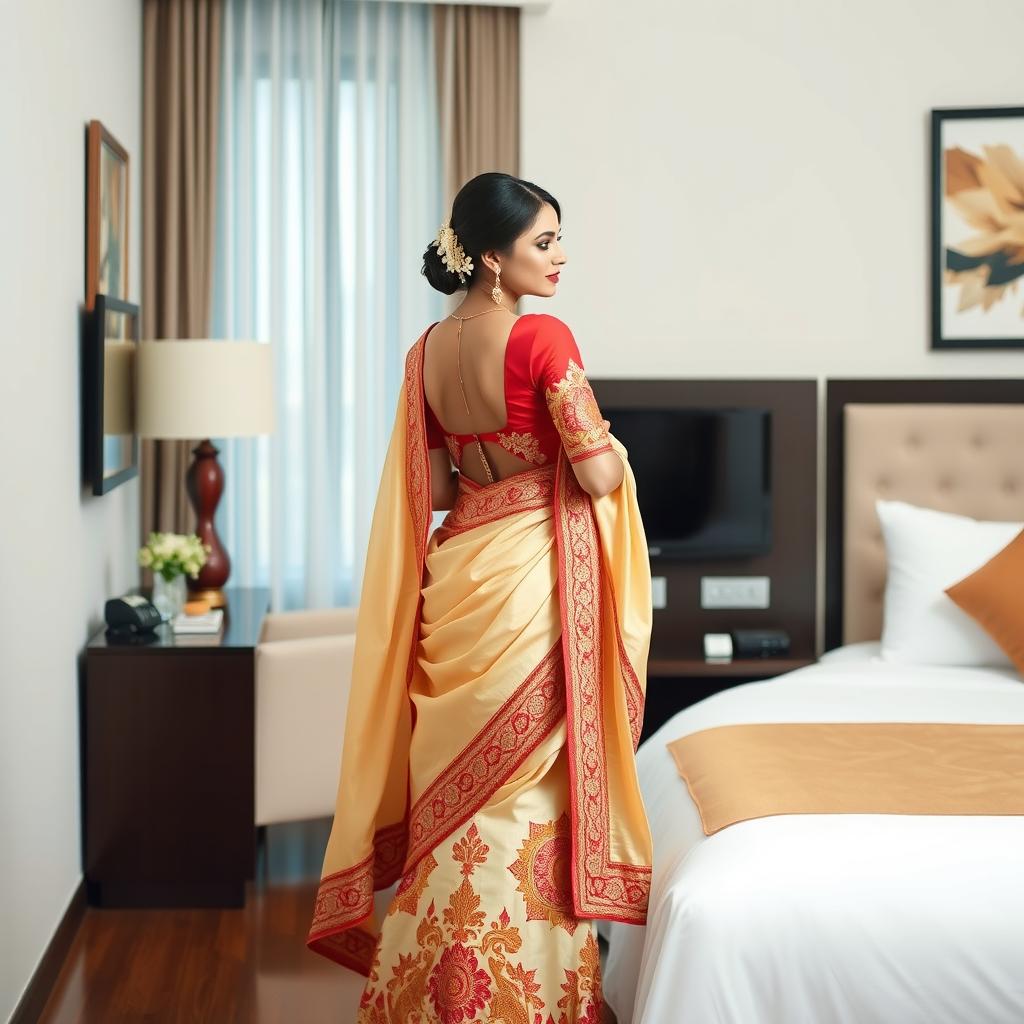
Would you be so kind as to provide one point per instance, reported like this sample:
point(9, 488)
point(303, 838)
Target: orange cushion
point(994, 596)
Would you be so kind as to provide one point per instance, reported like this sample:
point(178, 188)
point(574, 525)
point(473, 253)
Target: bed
point(846, 917)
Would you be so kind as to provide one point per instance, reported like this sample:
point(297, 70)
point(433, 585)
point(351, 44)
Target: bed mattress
point(823, 918)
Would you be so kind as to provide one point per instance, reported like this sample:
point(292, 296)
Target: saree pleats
point(488, 761)
point(489, 618)
point(482, 924)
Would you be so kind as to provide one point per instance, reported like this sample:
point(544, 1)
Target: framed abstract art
point(110, 443)
point(977, 249)
point(106, 216)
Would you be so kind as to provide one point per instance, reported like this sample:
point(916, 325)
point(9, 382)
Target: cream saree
point(488, 759)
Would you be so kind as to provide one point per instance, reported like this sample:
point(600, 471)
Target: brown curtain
point(478, 91)
point(181, 95)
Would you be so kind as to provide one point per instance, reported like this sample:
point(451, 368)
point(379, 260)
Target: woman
point(500, 665)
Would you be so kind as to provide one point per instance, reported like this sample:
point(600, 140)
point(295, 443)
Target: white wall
point(745, 186)
point(62, 551)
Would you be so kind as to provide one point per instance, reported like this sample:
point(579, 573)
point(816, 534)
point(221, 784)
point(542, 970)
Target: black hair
point(490, 212)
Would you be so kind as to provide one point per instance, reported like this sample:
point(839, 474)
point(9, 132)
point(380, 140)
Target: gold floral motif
point(461, 970)
point(407, 895)
point(582, 987)
point(454, 448)
point(576, 414)
point(544, 872)
point(523, 444)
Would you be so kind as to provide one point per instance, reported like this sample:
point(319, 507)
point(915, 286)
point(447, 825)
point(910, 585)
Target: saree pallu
point(488, 762)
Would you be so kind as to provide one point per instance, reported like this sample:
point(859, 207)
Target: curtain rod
point(526, 5)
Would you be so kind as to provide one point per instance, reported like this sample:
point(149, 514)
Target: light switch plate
point(659, 591)
point(734, 592)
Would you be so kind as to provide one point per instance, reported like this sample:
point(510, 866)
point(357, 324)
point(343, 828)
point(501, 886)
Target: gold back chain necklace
point(479, 446)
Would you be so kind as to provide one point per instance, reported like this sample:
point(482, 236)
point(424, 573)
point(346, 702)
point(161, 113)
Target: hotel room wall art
point(110, 354)
point(977, 227)
point(106, 219)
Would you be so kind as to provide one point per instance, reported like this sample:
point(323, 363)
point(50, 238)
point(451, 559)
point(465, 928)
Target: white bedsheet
point(821, 918)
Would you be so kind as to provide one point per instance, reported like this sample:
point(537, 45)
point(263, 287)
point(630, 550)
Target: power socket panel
point(734, 592)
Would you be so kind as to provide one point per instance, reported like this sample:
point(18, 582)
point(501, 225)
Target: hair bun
point(435, 271)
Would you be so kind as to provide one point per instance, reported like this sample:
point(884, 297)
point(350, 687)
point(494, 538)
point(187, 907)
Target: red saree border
point(352, 948)
point(417, 461)
point(344, 899)
point(601, 887)
point(477, 504)
point(510, 735)
point(389, 844)
point(635, 695)
point(591, 453)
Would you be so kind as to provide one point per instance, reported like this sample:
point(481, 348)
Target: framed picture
point(977, 227)
point(110, 350)
point(106, 216)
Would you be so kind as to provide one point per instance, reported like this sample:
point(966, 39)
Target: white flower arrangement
point(171, 554)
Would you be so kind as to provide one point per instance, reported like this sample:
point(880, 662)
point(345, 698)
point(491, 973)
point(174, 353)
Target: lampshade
point(200, 388)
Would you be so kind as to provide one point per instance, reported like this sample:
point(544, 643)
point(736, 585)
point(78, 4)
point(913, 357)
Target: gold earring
point(496, 292)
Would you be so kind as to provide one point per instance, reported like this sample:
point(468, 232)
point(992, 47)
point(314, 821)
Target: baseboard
point(44, 979)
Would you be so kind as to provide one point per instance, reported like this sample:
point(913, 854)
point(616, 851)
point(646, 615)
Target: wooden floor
point(214, 966)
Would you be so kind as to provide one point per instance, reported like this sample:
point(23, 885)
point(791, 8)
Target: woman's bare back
point(485, 341)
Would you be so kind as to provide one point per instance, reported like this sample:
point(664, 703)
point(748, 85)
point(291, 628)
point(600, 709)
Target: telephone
point(131, 614)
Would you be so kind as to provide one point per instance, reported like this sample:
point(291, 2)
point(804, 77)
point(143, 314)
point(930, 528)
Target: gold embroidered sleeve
point(576, 415)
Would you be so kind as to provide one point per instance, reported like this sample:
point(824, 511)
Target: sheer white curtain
point(330, 188)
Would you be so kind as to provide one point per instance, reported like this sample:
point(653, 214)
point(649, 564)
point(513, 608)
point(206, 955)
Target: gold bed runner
point(736, 772)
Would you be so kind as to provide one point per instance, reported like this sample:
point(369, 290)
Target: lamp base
point(204, 482)
point(214, 596)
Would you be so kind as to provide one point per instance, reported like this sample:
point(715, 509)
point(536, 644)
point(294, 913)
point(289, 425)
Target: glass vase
point(169, 595)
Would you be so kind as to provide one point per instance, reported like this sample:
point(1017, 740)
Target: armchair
point(303, 669)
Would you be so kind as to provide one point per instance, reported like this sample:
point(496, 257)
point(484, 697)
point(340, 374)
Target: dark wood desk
point(168, 736)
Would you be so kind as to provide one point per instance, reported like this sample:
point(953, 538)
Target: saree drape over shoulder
point(488, 762)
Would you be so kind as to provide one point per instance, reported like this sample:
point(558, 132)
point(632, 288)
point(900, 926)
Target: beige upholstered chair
point(303, 674)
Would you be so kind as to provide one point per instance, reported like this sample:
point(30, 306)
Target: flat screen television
point(703, 478)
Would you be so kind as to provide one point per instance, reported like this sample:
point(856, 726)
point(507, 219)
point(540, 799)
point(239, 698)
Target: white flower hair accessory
point(452, 254)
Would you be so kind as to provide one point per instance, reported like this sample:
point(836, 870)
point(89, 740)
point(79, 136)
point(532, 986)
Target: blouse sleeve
point(556, 368)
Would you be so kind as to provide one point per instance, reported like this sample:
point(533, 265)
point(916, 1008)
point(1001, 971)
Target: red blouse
point(548, 398)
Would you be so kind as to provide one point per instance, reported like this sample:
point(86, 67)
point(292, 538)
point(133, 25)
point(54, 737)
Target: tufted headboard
point(967, 459)
point(963, 457)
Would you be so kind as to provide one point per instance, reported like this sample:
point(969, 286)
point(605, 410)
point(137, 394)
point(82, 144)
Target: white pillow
point(927, 551)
